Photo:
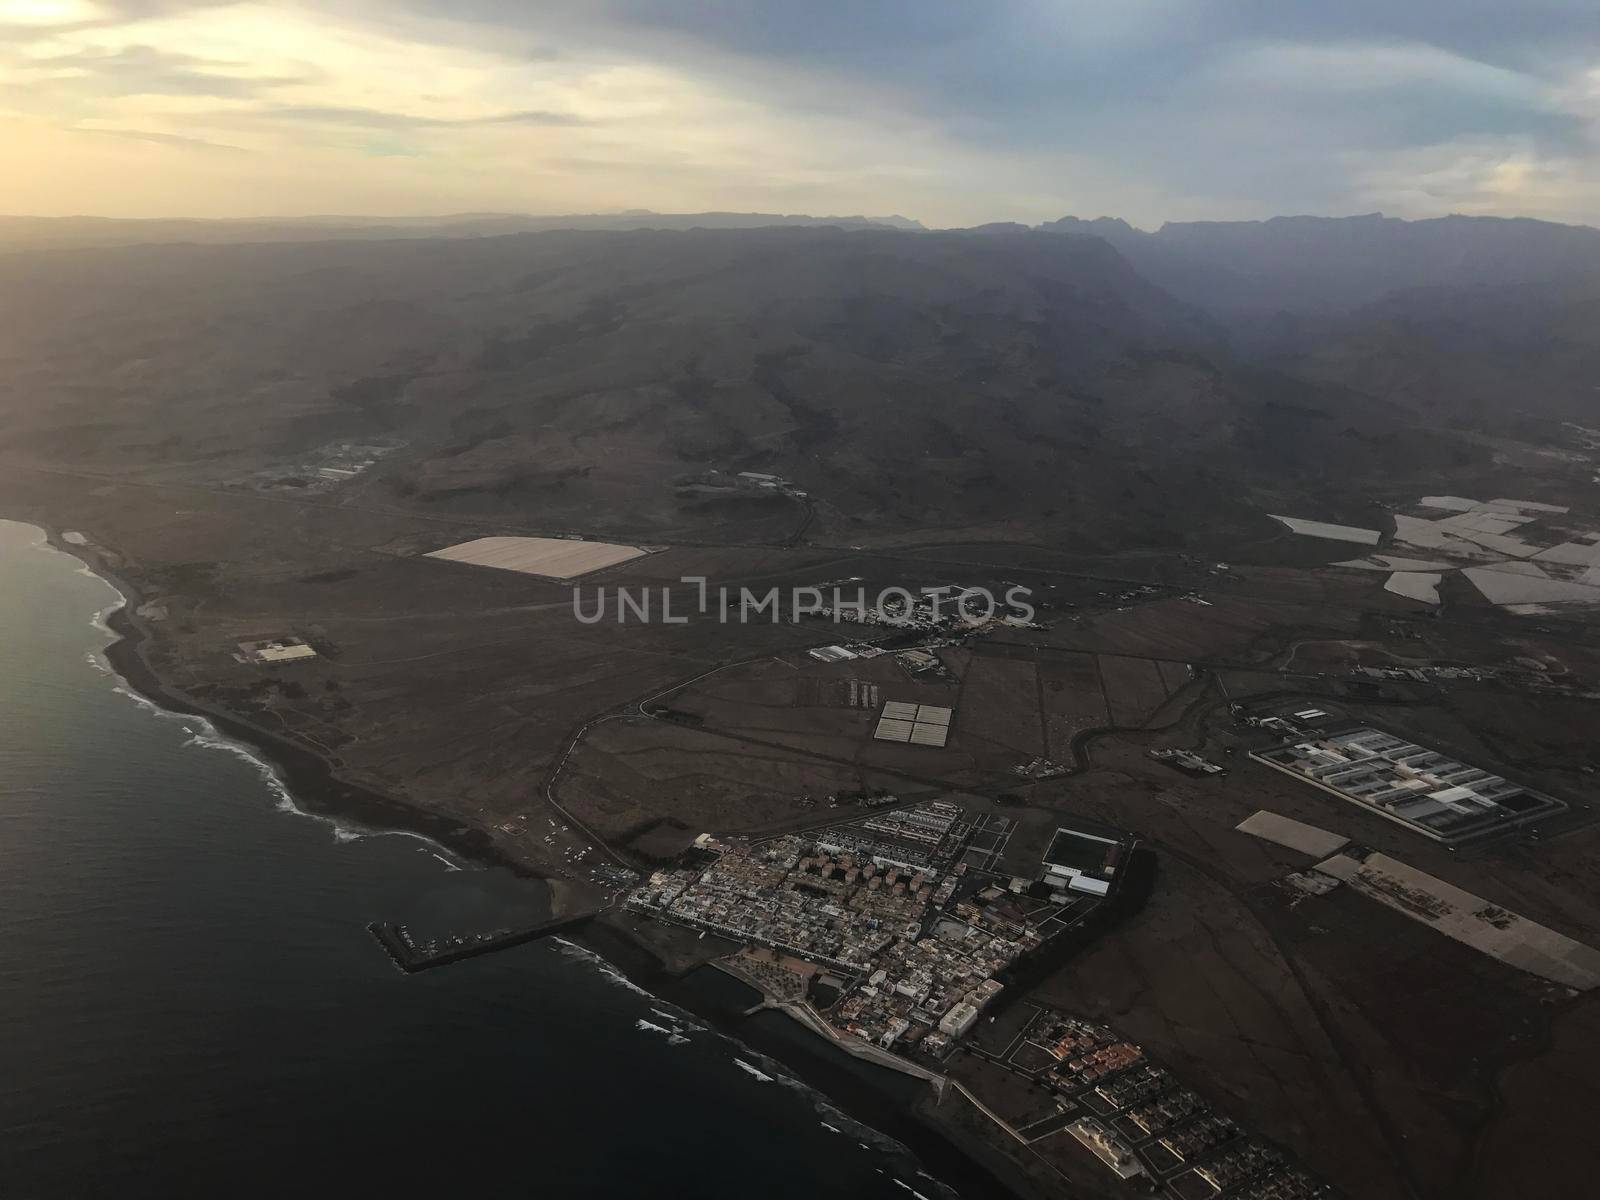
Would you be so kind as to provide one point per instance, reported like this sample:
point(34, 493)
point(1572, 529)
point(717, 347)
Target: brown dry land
point(1391, 1060)
point(1018, 409)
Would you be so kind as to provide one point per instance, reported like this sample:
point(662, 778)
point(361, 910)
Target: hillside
point(1324, 265)
point(1519, 359)
point(1469, 323)
point(907, 382)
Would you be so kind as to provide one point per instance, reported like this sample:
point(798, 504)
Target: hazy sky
point(954, 111)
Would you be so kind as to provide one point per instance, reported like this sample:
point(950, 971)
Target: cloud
point(139, 70)
point(373, 118)
point(1480, 176)
point(954, 111)
point(163, 139)
point(1225, 107)
point(1365, 67)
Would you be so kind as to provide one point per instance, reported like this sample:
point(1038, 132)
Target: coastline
point(882, 1100)
point(312, 779)
point(885, 1103)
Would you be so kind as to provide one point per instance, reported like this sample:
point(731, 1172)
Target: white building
point(958, 1020)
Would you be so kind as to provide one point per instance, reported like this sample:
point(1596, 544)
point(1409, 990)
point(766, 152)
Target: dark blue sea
point(190, 1003)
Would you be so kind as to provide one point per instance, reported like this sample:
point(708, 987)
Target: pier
point(411, 958)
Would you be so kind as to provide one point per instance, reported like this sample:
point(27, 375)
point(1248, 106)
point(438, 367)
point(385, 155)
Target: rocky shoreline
point(314, 781)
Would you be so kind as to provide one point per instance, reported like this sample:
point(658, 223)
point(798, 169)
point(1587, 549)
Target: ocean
point(191, 1005)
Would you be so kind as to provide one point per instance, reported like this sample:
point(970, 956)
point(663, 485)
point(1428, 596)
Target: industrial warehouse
point(1078, 861)
point(1428, 792)
point(273, 651)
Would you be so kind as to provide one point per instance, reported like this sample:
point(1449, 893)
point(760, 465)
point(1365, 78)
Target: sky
point(955, 112)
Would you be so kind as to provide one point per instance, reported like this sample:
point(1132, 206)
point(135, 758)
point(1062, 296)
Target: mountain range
point(1083, 380)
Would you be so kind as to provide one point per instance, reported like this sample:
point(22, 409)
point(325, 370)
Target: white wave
point(674, 1038)
point(582, 953)
point(772, 1071)
point(911, 1189)
point(821, 1105)
point(755, 1072)
point(149, 705)
point(841, 1122)
point(830, 1128)
point(832, 1117)
point(679, 1021)
point(676, 1026)
point(101, 619)
point(209, 737)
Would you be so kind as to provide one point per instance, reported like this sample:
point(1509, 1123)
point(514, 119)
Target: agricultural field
point(1134, 688)
point(631, 774)
point(997, 714)
point(548, 558)
point(1074, 698)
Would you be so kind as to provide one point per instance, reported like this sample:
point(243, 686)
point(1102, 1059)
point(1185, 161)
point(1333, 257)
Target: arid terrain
point(266, 440)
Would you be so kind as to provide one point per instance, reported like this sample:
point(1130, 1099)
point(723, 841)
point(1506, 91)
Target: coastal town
point(893, 936)
point(1148, 1127)
point(911, 940)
